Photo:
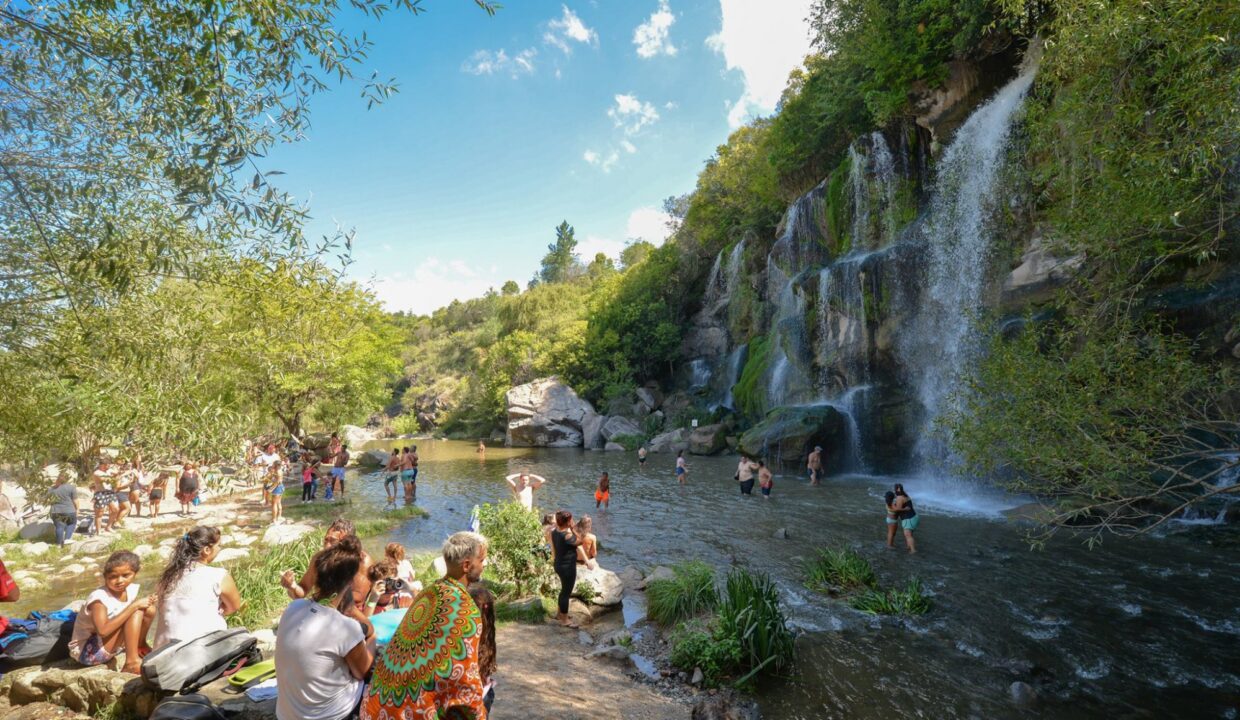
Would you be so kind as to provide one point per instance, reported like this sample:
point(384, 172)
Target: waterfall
point(716, 290)
point(699, 374)
point(736, 363)
point(873, 182)
point(941, 343)
point(733, 270)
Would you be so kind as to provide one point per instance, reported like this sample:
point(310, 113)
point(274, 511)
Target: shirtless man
point(814, 465)
point(523, 486)
point(392, 468)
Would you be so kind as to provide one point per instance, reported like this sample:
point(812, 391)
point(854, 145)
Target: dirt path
point(543, 674)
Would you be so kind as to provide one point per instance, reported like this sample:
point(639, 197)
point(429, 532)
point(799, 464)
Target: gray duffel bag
point(187, 665)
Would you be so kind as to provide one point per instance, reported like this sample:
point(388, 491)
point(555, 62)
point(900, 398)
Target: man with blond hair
point(430, 668)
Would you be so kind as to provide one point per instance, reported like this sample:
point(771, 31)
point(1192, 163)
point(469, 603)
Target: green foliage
point(584, 592)
point(634, 253)
point(406, 424)
point(257, 576)
point(838, 569)
point(909, 601)
point(696, 644)
point(751, 616)
point(517, 554)
point(736, 192)
point(750, 390)
point(629, 442)
point(689, 593)
point(1133, 136)
point(1114, 423)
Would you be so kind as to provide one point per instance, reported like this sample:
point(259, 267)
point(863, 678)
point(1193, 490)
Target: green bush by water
point(909, 601)
point(689, 593)
point(834, 570)
point(517, 555)
point(696, 644)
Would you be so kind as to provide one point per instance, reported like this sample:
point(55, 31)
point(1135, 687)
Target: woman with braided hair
point(192, 597)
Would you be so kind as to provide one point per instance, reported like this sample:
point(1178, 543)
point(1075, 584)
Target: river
point(1146, 627)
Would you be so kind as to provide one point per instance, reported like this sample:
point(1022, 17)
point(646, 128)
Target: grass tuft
point(912, 600)
point(750, 616)
point(525, 611)
point(836, 570)
point(689, 593)
point(263, 599)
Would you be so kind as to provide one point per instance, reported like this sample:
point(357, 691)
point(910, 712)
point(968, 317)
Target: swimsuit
point(602, 495)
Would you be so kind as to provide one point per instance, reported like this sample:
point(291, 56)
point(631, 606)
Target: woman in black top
point(564, 544)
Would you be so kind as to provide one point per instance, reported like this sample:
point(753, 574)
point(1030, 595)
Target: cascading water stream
point(941, 343)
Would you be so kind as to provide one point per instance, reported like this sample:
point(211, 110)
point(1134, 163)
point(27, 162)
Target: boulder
point(353, 436)
point(613, 447)
point(285, 534)
point(67, 684)
point(659, 573)
point(592, 431)
point(618, 426)
point(646, 398)
point(230, 554)
point(708, 439)
point(373, 458)
point(35, 549)
point(42, 711)
point(672, 441)
point(42, 529)
point(786, 436)
point(1038, 276)
point(698, 677)
point(608, 588)
point(631, 576)
point(74, 569)
point(545, 413)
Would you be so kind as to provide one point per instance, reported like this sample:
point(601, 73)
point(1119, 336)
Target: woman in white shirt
point(321, 653)
point(194, 597)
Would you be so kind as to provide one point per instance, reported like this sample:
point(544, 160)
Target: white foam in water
point(957, 496)
point(1131, 609)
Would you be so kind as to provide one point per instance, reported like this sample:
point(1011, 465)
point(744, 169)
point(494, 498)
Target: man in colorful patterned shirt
point(429, 671)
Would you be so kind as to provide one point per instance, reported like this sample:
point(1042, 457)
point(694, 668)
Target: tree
point(308, 344)
point(600, 267)
point(560, 263)
point(634, 252)
point(510, 288)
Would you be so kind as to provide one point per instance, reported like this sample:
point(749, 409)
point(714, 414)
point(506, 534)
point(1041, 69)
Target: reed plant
point(690, 592)
point(750, 616)
point(836, 570)
point(911, 600)
point(257, 576)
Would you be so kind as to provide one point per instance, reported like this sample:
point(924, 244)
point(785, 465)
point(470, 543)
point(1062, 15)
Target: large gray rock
point(608, 588)
point(545, 413)
point(373, 458)
point(786, 436)
point(67, 684)
point(592, 431)
point(353, 436)
point(42, 529)
point(708, 439)
point(613, 447)
point(671, 441)
point(618, 426)
point(285, 534)
point(1038, 276)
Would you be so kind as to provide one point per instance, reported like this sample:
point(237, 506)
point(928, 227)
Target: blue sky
point(590, 112)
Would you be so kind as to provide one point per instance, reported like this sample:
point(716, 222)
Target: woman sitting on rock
point(588, 549)
point(322, 655)
point(194, 597)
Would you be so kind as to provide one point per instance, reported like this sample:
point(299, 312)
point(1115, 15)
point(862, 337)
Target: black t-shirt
point(565, 549)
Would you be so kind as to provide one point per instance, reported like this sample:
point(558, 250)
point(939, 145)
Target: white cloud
point(486, 62)
point(764, 41)
point(603, 163)
point(651, 37)
point(632, 114)
point(629, 147)
point(569, 29)
point(433, 284)
point(594, 245)
point(649, 224)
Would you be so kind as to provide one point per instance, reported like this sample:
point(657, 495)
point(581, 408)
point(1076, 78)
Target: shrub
point(406, 424)
point(696, 644)
point(518, 554)
point(584, 592)
point(750, 616)
point(835, 570)
point(629, 442)
point(690, 592)
point(524, 612)
point(909, 601)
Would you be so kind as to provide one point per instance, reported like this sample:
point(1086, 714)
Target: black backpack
point(46, 642)
point(187, 707)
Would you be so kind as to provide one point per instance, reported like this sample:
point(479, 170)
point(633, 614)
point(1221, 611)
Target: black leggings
point(568, 578)
point(305, 491)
